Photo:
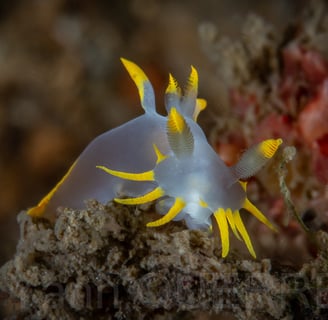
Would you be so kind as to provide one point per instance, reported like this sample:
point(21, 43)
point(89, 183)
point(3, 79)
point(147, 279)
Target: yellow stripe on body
point(178, 205)
point(39, 209)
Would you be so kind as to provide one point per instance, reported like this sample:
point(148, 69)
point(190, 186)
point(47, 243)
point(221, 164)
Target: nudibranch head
point(191, 181)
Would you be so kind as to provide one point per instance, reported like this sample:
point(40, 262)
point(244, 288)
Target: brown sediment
point(103, 262)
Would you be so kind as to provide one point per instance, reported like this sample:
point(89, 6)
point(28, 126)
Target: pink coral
point(313, 119)
point(303, 71)
point(304, 91)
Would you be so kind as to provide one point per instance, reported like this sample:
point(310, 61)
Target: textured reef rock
point(104, 263)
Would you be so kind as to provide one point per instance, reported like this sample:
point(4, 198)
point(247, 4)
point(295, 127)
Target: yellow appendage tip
point(258, 214)
point(193, 80)
point(151, 196)
point(269, 147)
point(224, 218)
point(137, 75)
point(178, 205)
point(243, 232)
point(173, 87)
point(222, 223)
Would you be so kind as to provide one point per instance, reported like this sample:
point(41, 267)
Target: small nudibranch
point(167, 159)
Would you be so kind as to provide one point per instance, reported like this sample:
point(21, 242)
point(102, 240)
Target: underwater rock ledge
point(103, 262)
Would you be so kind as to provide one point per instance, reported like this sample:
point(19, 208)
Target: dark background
point(62, 83)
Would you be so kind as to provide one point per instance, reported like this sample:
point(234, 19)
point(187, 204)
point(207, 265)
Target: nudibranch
point(167, 159)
